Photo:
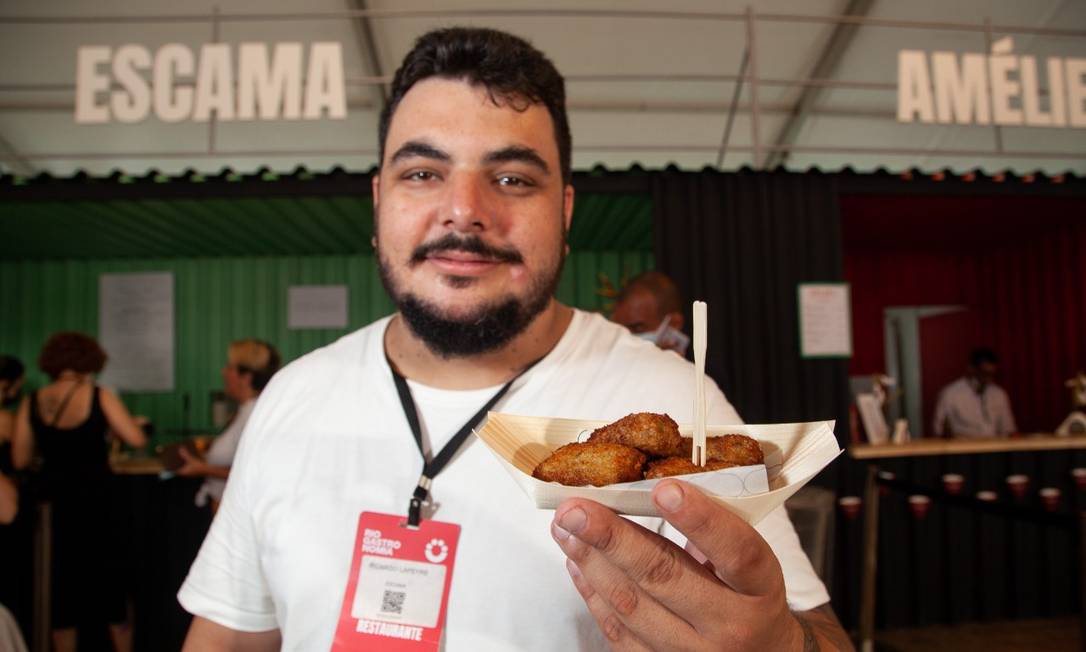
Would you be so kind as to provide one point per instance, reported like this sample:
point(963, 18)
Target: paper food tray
point(794, 452)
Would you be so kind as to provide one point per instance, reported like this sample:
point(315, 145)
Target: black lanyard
point(432, 467)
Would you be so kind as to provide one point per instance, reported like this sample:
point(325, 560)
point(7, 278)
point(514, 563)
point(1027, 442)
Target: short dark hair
point(71, 351)
point(512, 71)
point(982, 354)
point(11, 368)
point(660, 286)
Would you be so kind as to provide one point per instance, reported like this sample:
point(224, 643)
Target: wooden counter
point(136, 465)
point(925, 447)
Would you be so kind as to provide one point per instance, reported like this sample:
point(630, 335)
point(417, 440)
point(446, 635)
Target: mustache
point(471, 244)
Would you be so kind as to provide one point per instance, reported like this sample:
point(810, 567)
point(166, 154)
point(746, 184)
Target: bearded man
point(357, 448)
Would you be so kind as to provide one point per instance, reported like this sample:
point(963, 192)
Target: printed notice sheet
point(135, 327)
point(317, 306)
point(824, 320)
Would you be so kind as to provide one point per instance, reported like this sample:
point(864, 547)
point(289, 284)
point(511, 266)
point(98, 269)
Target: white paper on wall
point(135, 327)
point(825, 320)
point(317, 306)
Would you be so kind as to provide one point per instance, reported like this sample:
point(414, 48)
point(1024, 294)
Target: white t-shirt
point(221, 452)
point(969, 414)
point(328, 439)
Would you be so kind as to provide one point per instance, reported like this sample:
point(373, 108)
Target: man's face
point(985, 373)
point(638, 312)
point(471, 214)
point(234, 381)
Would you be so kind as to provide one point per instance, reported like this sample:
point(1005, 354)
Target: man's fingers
point(645, 578)
point(741, 557)
point(618, 636)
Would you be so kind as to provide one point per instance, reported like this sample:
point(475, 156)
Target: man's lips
point(462, 263)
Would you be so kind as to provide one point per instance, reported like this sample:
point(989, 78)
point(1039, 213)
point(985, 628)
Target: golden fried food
point(656, 435)
point(738, 450)
point(594, 463)
point(668, 466)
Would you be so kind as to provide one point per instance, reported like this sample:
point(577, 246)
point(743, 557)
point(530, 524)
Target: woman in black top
point(11, 385)
point(69, 421)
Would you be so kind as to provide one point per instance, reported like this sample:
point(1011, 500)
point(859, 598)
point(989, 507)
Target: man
point(649, 305)
point(974, 406)
point(472, 205)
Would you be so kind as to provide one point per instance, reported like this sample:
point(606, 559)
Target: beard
point(489, 326)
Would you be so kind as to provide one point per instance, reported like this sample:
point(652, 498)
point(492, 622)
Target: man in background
point(649, 305)
point(973, 405)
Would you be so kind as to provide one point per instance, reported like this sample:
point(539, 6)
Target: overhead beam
point(371, 62)
point(13, 160)
point(825, 68)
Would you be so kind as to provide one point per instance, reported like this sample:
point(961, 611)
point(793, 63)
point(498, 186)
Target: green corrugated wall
point(221, 299)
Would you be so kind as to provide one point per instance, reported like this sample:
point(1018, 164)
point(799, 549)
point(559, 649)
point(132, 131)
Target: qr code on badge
point(392, 602)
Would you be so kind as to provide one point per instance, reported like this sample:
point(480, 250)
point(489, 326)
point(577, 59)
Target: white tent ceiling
point(671, 108)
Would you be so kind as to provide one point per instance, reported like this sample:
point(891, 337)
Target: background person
point(12, 375)
point(973, 405)
point(16, 537)
point(651, 307)
point(67, 422)
point(250, 364)
point(11, 637)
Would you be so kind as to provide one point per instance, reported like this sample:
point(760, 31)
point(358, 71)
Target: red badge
point(398, 590)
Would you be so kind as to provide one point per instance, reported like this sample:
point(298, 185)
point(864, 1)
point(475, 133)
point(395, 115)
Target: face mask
point(667, 338)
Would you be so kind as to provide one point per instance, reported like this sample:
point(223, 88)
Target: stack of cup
point(1079, 474)
point(1050, 496)
point(987, 496)
point(919, 506)
point(850, 506)
point(1018, 484)
point(952, 483)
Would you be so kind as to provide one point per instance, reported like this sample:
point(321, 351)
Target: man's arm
point(1007, 421)
point(213, 637)
point(939, 421)
point(9, 500)
point(822, 630)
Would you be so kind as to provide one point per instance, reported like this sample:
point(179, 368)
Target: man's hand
point(193, 466)
point(647, 593)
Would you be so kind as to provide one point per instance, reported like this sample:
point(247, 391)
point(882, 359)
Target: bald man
point(650, 306)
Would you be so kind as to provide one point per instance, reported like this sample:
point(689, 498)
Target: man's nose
point(468, 208)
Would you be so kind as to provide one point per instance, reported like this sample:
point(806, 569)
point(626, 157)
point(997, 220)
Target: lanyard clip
point(414, 508)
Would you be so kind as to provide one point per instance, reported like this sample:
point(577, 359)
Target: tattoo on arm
point(821, 630)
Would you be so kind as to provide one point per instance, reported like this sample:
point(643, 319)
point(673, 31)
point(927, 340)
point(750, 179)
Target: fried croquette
point(669, 466)
point(656, 435)
point(591, 463)
point(739, 450)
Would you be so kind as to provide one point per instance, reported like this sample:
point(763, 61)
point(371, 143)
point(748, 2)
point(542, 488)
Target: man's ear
point(375, 188)
point(567, 206)
point(676, 321)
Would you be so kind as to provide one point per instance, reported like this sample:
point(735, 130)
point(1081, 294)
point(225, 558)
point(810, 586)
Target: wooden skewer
point(697, 452)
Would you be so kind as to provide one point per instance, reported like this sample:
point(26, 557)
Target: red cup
point(1050, 496)
point(1018, 484)
point(885, 475)
point(850, 506)
point(953, 482)
point(987, 496)
point(919, 506)
point(1079, 474)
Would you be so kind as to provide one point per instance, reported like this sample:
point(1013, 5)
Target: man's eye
point(419, 175)
point(513, 181)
